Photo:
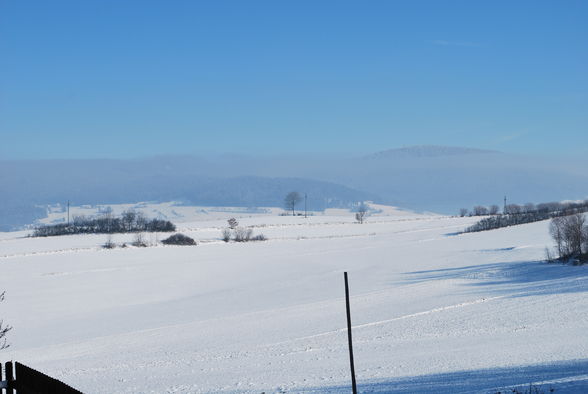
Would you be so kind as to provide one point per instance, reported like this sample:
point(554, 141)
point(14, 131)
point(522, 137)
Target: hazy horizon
point(423, 178)
point(302, 154)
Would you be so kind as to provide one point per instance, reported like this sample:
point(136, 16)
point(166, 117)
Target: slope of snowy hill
point(431, 311)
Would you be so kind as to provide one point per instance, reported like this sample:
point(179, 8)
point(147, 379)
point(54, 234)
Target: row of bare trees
point(480, 210)
point(528, 208)
point(129, 222)
point(529, 213)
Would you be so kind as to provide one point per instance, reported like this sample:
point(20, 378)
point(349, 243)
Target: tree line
point(521, 214)
point(528, 208)
point(129, 222)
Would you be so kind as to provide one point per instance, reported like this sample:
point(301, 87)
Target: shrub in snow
point(179, 239)
point(139, 241)
point(242, 234)
point(109, 244)
point(226, 234)
point(3, 329)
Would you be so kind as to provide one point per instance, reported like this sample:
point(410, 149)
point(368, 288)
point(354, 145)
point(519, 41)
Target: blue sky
point(136, 78)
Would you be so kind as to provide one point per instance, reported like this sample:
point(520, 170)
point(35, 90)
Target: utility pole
point(305, 205)
point(504, 210)
point(353, 384)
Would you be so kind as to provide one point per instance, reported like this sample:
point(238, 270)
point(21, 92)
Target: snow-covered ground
point(432, 311)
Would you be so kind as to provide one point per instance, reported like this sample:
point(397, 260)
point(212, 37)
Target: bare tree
point(585, 243)
point(570, 234)
point(480, 210)
point(128, 219)
point(575, 233)
point(556, 229)
point(226, 234)
point(140, 221)
point(79, 221)
point(233, 223)
point(513, 209)
point(3, 329)
point(361, 213)
point(105, 210)
point(463, 212)
point(493, 210)
point(291, 200)
point(139, 240)
point(107, 218)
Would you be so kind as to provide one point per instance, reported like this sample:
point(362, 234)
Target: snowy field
point(432, 311)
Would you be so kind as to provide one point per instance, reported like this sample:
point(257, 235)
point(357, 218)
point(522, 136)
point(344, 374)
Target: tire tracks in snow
point(386, 321)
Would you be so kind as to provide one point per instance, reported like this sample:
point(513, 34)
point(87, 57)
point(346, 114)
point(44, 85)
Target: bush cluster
point(179, 239)
point(129, 222)
point(239, 234)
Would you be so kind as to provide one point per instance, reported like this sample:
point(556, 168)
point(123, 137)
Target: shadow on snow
point(565, 377)
point(518, 278)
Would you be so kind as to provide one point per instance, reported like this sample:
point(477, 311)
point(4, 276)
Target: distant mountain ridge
point(427, 151)
point(34, 185)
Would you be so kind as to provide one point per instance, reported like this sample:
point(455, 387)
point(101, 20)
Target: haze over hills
point(426, 151)
point(423, 178)
point(33, 185)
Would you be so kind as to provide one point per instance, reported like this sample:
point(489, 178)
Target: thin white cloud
point(455, 43)
point(511, 137)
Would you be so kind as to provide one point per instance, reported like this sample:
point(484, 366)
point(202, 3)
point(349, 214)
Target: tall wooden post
point(353, 384)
